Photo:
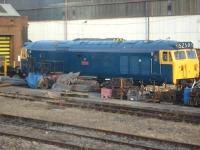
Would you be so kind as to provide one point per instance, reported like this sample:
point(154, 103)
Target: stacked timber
point(65, 81)
point(73, 82)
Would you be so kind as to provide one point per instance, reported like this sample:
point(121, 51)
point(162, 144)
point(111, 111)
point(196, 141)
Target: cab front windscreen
point(189, 54)
point(179, 55)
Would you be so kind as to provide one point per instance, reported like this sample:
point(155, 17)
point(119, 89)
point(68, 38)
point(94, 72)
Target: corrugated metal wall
point(33, 4)
point(105, 9)
point(38, 10)
point(94, 9)
point(100, 9)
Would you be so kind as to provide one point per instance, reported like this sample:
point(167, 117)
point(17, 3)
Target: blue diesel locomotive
point(160, 60)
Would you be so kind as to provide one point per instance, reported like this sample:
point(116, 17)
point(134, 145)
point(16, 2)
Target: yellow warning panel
point(5, 48)
point(4, 38)
point(4, 42)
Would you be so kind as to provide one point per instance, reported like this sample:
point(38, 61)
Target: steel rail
point(45, 141)
point(45, 125)
point(108, 107)
point(56, 142)
point(116, 108)
point(64, 145)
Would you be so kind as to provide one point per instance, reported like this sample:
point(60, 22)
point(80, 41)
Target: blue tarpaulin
point(33, 79)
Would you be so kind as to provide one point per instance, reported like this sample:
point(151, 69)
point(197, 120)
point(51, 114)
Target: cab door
point(155, 65)
point(166, 62)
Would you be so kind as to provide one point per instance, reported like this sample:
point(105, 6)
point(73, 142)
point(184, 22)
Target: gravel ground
point(176, 131)
point(7, 143)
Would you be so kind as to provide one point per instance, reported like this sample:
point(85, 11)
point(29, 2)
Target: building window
point(169, 7)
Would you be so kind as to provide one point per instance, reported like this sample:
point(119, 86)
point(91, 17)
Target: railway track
point(78, 137)
point(108, 107)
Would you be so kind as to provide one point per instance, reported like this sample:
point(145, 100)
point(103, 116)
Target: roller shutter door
point(5, 48)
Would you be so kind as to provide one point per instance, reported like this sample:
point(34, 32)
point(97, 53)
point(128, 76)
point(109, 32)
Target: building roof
point(139, 46)
point(8, 10)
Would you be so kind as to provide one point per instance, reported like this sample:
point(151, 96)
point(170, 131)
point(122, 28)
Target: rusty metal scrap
point(195, 97)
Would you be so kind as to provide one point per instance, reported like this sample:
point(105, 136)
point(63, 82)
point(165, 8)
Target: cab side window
point(166, 56)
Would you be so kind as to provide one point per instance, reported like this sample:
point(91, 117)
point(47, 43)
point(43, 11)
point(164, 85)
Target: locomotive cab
point(184, 64)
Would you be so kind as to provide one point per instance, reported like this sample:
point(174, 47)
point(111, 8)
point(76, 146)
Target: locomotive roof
point(103, 45)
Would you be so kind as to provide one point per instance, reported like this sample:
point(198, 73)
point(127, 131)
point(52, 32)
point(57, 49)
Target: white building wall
point(46, 30)
point(181, 28)
point(131, 28)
